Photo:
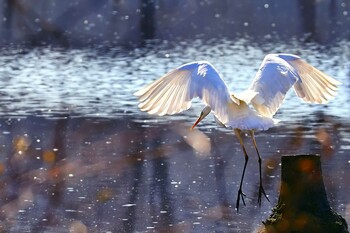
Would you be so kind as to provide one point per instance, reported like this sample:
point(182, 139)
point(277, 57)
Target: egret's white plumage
point(277, 74)
point(174, 92)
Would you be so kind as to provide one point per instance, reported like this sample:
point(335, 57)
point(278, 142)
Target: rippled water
point(78, 154)
point(100, 82)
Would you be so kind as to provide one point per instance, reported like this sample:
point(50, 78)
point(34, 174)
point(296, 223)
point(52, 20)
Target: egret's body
point(278, 73)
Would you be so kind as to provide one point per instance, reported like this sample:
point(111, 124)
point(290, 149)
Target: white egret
point(278, 73)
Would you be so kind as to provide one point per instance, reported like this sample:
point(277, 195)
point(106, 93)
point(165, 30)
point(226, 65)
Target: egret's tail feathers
point(252, 122)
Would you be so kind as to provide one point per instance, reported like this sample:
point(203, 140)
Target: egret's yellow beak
point(197, 121)
point(204, 113)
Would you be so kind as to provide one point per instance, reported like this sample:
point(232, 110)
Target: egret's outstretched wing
point(174, 92)
point(313, 86)
point(278, 73)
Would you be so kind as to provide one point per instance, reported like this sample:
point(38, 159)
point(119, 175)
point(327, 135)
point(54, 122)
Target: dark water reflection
point(82, 23)
point(78, 155)
point(114, 175)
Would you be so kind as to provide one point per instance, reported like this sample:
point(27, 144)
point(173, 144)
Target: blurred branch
point(147, 24)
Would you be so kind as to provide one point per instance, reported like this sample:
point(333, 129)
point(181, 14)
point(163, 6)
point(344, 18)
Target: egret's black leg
point(261, 188)
point(241, 195)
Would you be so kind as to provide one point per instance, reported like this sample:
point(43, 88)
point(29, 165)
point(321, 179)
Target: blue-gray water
point(78, 154)
point(96, 82)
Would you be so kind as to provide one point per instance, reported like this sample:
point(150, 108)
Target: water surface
point(78, 154)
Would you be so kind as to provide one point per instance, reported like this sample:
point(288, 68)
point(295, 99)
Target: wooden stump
point(303, 205)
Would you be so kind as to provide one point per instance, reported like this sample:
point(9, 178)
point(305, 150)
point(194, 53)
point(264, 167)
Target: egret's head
point(204, 113)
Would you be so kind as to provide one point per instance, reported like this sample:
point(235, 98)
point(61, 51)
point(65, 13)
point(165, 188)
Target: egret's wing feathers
point(279, 72)
point(313, 86)
point(174, 92)
point(272, 81)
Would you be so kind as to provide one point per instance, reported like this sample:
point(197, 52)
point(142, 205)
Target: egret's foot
point(262, 191)
point(240, 196)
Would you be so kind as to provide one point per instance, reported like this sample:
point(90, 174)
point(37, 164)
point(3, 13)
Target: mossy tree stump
point(303, 206)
